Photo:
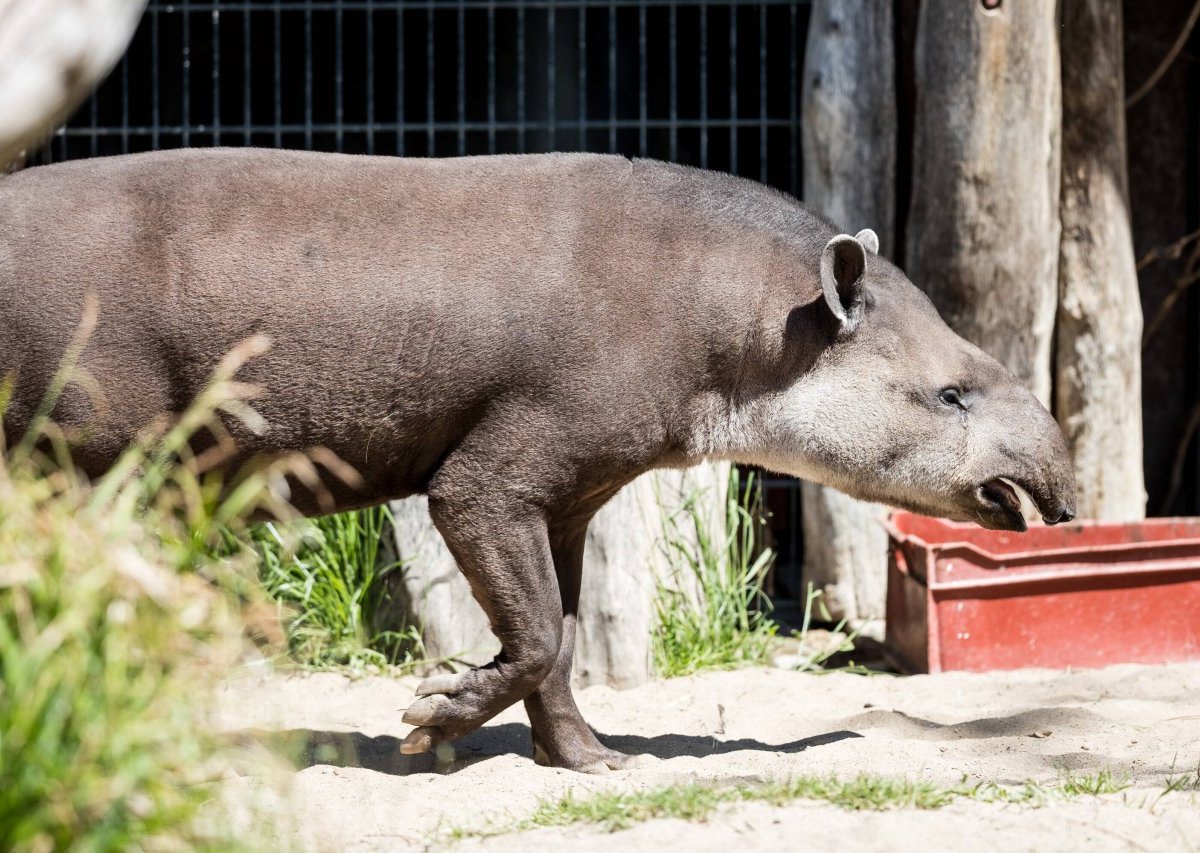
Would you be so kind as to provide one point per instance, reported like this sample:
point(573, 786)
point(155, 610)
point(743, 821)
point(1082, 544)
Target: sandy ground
point(354, 791)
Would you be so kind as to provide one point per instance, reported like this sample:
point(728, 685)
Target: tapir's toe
point(636, 760)
point(625, 761)
point(419, 740)
point(448, 683)
point(451, 705)
point(591, 758)
point(428, 710)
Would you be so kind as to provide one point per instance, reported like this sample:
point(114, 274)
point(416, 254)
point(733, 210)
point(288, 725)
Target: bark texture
point(623, 568)
point(52, 53)
point(983, 229)
point(849, 119)
point(1098, 347)
point(849, 138)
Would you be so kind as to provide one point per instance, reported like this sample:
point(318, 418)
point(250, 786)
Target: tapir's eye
point(952, 397)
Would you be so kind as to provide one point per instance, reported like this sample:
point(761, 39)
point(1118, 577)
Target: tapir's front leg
point(561, 737)
point(502, 546)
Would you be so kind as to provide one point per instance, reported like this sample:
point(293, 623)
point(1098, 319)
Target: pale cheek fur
point(831, 432)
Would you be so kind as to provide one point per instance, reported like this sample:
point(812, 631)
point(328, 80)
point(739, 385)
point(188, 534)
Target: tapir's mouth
point(1001, 506)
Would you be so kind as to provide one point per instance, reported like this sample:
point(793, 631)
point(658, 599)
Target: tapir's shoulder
point(732, 200)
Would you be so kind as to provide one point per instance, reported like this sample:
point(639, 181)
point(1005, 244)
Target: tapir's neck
point(783, 327)
point(765, 431)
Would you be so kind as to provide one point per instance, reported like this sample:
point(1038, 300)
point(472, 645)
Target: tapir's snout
point(1035, 460)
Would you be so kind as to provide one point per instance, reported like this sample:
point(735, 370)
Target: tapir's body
point(410, 303)
point(517, 337)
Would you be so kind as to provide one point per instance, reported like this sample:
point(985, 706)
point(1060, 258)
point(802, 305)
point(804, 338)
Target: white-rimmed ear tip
point(869, 240)
point(843, 263)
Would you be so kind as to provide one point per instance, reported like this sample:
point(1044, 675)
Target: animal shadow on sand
point(305, 748)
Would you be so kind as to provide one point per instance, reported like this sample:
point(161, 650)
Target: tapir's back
point(402, 297)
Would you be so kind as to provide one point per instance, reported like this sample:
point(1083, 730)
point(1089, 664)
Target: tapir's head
point(897, 408)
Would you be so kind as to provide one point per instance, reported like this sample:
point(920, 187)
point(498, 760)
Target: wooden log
point(1099, 327)
point(983, 228)
point(849, 139)
point(849, 116)
point(623, 569)
point(52, 52)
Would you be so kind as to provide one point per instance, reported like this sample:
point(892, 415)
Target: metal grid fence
point(712, 84)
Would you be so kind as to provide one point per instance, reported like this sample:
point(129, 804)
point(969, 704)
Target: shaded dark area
point(1164, 187)
point(674, 746)
point(308, 748)
point(305, 748)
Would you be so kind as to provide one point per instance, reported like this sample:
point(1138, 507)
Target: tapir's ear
point(842, 265)
point(869, 239)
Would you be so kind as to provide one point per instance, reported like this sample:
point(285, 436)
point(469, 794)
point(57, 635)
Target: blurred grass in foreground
point(116, 618)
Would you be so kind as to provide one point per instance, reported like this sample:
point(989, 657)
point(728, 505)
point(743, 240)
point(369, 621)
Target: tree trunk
point(983, 230)
point(52, 52)
point(623, 569)
point(849, 120)
point(1098, 347)
point(849, 137)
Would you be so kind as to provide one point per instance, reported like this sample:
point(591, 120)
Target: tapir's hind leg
point(503, 548)
point(561, 737)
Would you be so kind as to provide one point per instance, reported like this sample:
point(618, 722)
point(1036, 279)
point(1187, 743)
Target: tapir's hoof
point(621, 762)
point(419, 740)
point(448, 683)
point(428, 710)
point(638, 760)
point(594, 761)
point(614, 760)
point(444, 710)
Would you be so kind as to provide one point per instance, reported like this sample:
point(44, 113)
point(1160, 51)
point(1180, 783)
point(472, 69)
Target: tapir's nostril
point(1064, 515)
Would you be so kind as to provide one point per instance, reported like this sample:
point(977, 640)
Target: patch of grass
point(113, 628)
point(865, 793)
point(715, 616)
point(1092, 784)
point(1183, 783)
point(612, 811)
point(327, 575)
point(814, 602)
point(1176, 783)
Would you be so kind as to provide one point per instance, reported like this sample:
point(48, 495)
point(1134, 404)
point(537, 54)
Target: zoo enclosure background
point(712, 84)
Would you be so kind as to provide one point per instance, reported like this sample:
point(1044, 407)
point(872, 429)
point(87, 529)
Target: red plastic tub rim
point(944, 552)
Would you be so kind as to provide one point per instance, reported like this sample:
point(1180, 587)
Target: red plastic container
point(1076, 595)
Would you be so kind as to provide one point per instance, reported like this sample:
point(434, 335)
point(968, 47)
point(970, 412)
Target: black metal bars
point(708, 83)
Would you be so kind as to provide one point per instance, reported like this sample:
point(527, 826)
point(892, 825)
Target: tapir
point(516, 337)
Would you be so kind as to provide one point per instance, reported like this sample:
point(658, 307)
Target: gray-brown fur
point(517, 337)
